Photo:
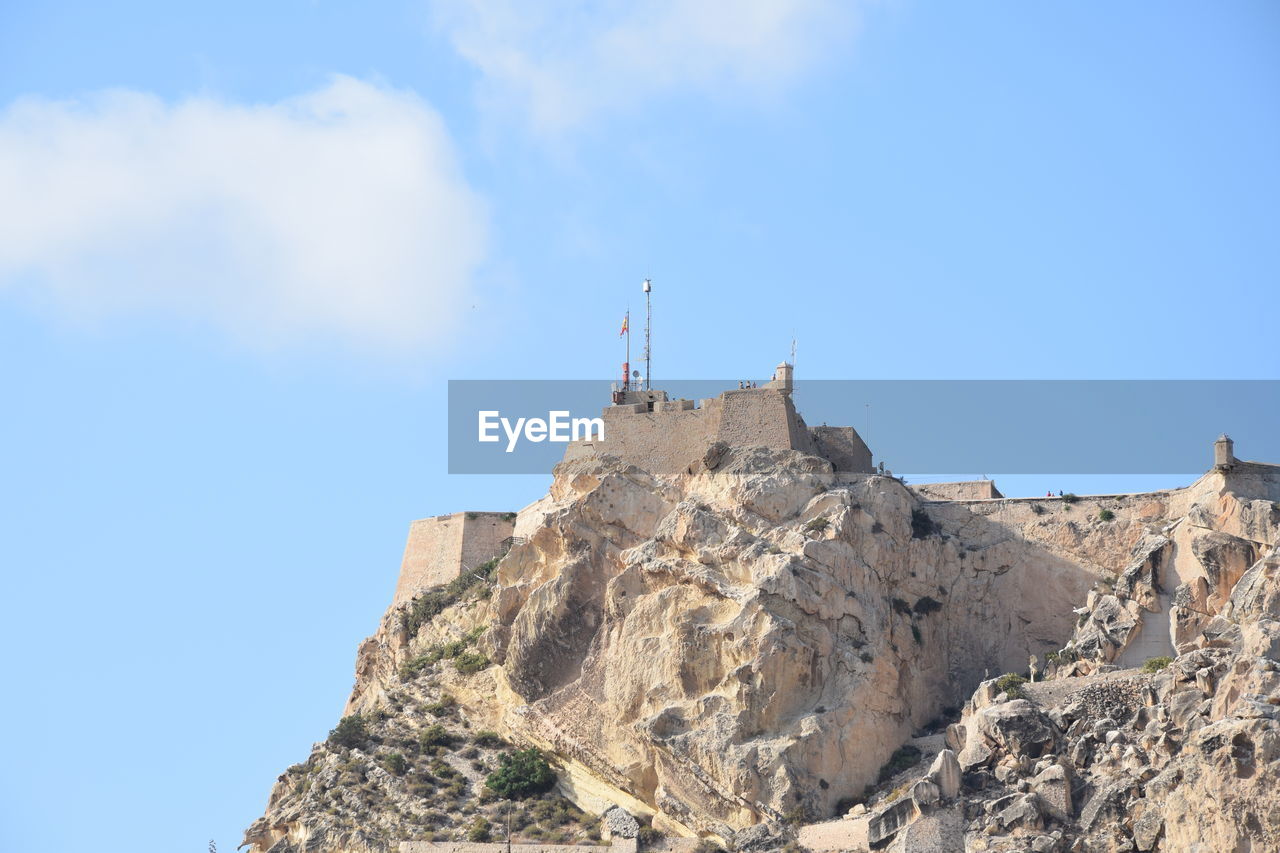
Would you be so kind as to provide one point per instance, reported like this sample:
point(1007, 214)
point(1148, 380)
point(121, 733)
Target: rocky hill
point(744, 651)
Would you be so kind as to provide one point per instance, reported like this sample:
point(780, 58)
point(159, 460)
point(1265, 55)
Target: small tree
point(480, 829)
point(1011, 683)
point(350, 732)
point(488, 740)
point(435, 735)
point(522, 773)
point(469, 663)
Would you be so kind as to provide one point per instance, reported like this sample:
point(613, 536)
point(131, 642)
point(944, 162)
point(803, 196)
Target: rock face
point(749, 642)
point(1184, 757)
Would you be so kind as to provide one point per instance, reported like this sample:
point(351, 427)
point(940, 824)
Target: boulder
point(1018, 727)
point(1053, 787)
point(945, 773)
point(924, 793)
point(1023, 813)
point(885, 824)
point(620, 824)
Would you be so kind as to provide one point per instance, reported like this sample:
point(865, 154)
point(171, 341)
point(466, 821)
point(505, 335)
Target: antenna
point(793, 351)
point(648, 321)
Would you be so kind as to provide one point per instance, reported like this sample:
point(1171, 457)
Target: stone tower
point(1224, 452)
point(781, 378)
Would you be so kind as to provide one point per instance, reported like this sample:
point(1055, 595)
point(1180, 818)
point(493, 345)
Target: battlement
point(442, 547)
point(663, 436)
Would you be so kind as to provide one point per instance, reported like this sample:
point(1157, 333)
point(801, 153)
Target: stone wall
point(843, 448)
point(1257, 480)
point(661, 442)
point(438, 548)
point(970, 490)
point(666, 440)
point(760, 417)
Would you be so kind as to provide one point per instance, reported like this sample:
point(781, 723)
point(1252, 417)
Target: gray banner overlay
point(934, 426)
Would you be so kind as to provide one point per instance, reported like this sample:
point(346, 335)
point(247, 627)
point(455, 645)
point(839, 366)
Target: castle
point(646, 428)
point(651, 431)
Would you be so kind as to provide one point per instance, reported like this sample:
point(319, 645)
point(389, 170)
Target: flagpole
point(626, 380)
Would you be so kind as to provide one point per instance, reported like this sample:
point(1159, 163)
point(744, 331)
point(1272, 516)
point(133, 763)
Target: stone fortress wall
point(439, 548)
point(664, 436)
point(659, 435)
point(968, 490)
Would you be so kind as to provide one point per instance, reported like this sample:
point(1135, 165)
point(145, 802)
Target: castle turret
point(781, 378)
point(1224, 452)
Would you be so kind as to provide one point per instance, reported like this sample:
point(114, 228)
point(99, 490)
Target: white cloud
point(339, 215)
point(563, 63)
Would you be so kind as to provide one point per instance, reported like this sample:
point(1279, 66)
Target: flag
point(626, 318)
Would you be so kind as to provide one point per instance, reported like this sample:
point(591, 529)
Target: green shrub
point(442, 708)
point(480, 830)
point(817, 524)
point(424, 608)
point(451, 649)
point(469, 663)
point(648, 836)
point(1070, 497)
point(395, 764)
point(522, 773)
point(706, 845)
point(488, 740)
point(1011, 684)
point(435, 735)
point(903, 757)
point(1063, 656)
point(1105, 515)
point(1156, 664)
point(410, 668)
point(350, 732)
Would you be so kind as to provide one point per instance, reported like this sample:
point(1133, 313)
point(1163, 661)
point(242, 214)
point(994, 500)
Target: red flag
point(625, 320)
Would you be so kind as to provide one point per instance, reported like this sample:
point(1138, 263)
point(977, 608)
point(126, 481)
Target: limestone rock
point(945, 773)
point(753, 638)
point(1018, 727)
point(1053, 786)
point(620, 823)
point(924, 793)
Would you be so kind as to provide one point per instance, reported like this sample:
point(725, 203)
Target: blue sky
point(243, 246)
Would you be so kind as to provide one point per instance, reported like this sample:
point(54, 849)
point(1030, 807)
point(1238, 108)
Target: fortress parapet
point(663, 436)
point(441, 548)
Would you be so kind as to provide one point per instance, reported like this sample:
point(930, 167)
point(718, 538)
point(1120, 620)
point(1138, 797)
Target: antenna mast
point(648, 321)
